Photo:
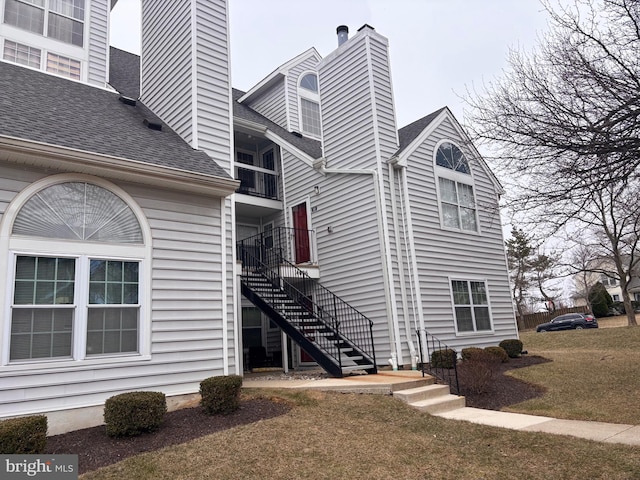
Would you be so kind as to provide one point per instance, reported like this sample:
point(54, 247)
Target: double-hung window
point(455, 187)
point(82, 300)
point(62, 20)
point(471, 306)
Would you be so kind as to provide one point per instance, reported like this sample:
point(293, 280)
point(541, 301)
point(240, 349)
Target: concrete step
point(431, 399)
point(422, 393)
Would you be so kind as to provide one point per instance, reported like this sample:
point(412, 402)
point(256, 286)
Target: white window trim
point(44, 55)
point(312, 97)
point(458, 177)
point(10, 246)
point(475, 333)
point(45, 32)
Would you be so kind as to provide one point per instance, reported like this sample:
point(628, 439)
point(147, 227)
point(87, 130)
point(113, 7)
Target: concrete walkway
point(387, 382)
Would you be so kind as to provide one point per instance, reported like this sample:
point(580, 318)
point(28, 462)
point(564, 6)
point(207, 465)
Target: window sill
point(66, 365)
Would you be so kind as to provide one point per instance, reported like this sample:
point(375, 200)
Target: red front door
point(301, 233)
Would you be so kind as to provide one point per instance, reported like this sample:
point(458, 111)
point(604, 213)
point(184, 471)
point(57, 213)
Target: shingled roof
point(408, 134)
point(44, 108)
point(124, 76)
point(313, 148)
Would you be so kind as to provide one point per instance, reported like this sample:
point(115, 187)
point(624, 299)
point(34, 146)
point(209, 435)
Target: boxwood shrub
point(512, 346)
point(24, 435)
point(220, 395)
point(470, 352)
point(130, 414)
point(445, 358)
point(499, 352)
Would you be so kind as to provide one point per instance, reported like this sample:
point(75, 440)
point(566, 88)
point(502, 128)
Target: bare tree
point(565, 118)
point(609, 236)
point(565, 122)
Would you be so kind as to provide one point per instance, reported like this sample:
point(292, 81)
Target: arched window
point(309, 97)
point(78, 211)
point(77, 255)
point(455, 188)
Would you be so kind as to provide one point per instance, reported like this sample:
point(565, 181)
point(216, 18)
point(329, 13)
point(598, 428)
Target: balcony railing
point(257, 183)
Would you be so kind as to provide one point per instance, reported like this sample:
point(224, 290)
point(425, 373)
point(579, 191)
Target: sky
point(439, 49)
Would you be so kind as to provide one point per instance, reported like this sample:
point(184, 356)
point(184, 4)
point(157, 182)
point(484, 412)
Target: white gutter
point(42, 154)
point(403, 286)
point(394, 328)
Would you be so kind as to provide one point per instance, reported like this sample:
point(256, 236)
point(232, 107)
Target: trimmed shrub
point(499, 352)
point(478, 370)
point(445, 358)
point(133, 413)
point(23, 436)
point(469, 352)
point(220, 395)
point(512, 346)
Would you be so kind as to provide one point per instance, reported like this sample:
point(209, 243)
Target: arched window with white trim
point(309, 102)
point(77, 253)
point(455, 189)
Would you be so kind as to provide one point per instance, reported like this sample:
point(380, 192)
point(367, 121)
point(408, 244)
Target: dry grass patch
point(336, 436)
point(593, 376)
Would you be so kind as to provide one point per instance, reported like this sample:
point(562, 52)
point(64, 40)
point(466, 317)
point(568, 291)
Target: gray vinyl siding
point(349, 256)
point(443, 254)
point(98, 43)
point(185, 312)
point(213, 82)
point(272, 104)
point(166, 66)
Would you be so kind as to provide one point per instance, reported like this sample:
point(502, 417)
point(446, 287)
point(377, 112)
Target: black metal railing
point(321, 317)
point(257, 183)
point(438, 369)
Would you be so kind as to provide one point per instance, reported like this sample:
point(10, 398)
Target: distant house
point(604, 271)
point(159, 227)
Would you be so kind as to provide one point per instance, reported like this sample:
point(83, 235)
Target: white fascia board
point(278, 74)
point(306, 158)
point(476, 153)
point(50, 156)
point(275, 138)
point(403, 157)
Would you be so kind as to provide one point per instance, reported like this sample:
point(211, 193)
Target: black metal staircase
point(333, 333)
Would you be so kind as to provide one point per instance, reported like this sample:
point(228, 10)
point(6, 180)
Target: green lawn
point(594, 375)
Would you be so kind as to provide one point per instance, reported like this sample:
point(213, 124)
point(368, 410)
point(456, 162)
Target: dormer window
point(455, 189)
point(309, 104)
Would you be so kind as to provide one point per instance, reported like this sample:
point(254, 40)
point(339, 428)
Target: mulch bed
point(95, 449)
point(505, 390)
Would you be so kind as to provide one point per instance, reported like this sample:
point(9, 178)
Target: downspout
point(225, 299)
point(401, 273)
point(395, 329)
point(414, 264)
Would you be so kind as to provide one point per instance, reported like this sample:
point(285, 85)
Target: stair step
point(422, 393)
point(439, 404)
point(351, 368)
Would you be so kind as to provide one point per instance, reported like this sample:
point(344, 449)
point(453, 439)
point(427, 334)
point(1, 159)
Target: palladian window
point(455, 189)
point(83, 299)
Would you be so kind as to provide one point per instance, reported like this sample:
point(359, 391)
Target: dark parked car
point(569, 321)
